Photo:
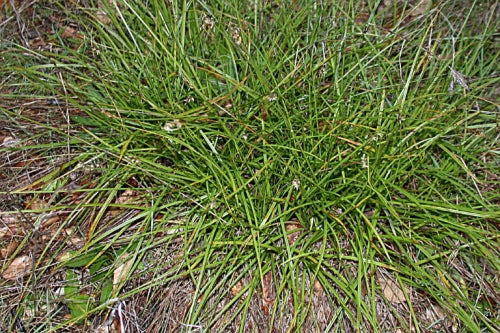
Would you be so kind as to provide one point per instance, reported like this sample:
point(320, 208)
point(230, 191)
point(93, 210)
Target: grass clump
point(251, 166)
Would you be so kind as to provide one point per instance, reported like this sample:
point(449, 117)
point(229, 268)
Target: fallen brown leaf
point(127, 196)
point(122, 271)
point(268, 293)
point(9, 249)
point(318, 289)
point(292, 235)
point(9, 231)
point(391, 290)
point(19, 267)
point(70, 32)
point(103, 17)
point(236, 289)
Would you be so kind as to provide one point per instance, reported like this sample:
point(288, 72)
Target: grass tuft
point(241, 166)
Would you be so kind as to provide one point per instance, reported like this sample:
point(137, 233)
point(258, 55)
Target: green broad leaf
point(82, 259)
point(106, 291)
point(96, 269)
point(71, 287)
point(79, 304)
point(103, 277)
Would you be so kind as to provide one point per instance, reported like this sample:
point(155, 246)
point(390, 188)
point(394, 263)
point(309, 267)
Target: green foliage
point(239, 117)
point(80, 304)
